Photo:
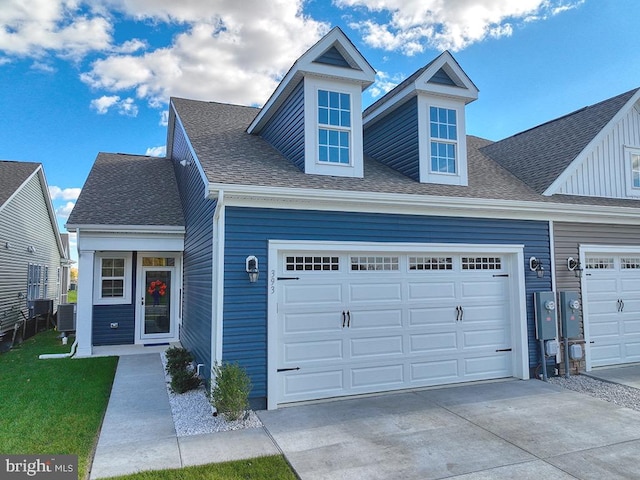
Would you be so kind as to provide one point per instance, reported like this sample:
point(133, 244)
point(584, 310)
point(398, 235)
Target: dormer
point(418, 127)
point(314, 116)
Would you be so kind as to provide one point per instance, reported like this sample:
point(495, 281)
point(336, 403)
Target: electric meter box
point(546, 316)
point(570, 314)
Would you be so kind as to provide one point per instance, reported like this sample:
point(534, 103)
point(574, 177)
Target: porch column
point(84, 308)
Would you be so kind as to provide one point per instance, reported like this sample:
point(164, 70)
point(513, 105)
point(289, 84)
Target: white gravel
point(611, 392)
point(193, 414)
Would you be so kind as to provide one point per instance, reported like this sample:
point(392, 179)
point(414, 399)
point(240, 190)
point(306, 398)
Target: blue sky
point(78, 77)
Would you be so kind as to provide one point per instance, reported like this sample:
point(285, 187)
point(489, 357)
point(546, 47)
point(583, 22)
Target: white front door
point(157, 299)
point(613, 294)
point(351, 323)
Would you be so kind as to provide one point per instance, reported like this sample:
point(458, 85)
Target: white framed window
point(112, 279)
point(442, 141)
point(34, 282)
point(333, 128)
point(632, 173)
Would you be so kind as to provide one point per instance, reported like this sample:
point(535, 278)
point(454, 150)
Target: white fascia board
point(564, 176)
point(409, 204)
point(365, 75)
point(97, 228)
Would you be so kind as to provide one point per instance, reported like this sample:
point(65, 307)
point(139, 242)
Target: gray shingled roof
point(129, 190)
point(229, 155)
point(539, 155)
point(12, 175)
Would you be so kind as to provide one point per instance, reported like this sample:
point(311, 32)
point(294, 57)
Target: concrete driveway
point(500, 430)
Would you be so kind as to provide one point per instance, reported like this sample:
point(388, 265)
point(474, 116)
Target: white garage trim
point(513, 259)
point(585, 252)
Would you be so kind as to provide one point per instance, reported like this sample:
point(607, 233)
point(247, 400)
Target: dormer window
point(632, 174)
point(334, 127)
point(444, 138)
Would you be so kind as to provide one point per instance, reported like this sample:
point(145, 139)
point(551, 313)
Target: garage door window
point(600, 263)
point(430, 263)
point(481, 263)
point(311, 264)
point(375, 263)
point(629, 263)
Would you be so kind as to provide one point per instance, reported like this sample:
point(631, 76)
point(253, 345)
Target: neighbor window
point(443, 131)
point(334, 127)
point(635, 170)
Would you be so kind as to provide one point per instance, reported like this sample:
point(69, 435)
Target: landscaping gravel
point(193, 415)
point(611, 392)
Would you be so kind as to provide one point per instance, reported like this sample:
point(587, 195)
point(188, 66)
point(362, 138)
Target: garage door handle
point(621, 305)
point(348, 319)
point(344, 318)
point(461, 313)
point(457, 313)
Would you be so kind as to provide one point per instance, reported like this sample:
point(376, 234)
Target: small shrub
point(230, 394)
point(184, 380)
point(178, 359)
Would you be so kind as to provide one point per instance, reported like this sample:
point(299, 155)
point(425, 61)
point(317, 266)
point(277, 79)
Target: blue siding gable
point(394, 140)
point(285, 130)
point(333, 57)
point(248, 231)
point(195, 333)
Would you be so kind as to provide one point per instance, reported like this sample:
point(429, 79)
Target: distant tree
point(73, 273)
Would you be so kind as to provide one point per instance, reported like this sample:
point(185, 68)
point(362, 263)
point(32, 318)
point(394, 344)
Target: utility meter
point(546, 316)
point(570, 314)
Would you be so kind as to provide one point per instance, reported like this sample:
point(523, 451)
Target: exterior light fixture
point(535, 265)
point(7, 245)
point(185, 163)
point(31, 249)
point(252, 268)
point(573, 265)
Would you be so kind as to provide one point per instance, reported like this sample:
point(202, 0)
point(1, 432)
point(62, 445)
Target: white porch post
point(84, 312)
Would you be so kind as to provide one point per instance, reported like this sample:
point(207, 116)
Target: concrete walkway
point(493, 430)
point(624, 374)
point(138, 432)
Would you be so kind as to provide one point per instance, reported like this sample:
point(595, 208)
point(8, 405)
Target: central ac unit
point(66, 317)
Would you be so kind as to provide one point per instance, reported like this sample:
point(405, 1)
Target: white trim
point(517, 300)
point(84, 308)
point(311, 163)
point(102, 228)
point(133, 241)
point(552, 250)
point(218, 280)
point(627, 165)
point(564, 176)
point(98, 299)
point(410, 204)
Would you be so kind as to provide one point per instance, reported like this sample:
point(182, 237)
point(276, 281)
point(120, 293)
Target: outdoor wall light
point(535, 265)
point(185, 163)
point(7, 245)
point(31, 249)
point(252, 268)
point(573, 265)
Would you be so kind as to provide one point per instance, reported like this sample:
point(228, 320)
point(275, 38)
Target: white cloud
point(64, 211)
point(160, 151)
point(384, 83)
point(228, 50)
point(447, 25)
point(57, 193)
point(124, 106)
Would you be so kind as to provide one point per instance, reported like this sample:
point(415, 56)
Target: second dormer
point(418, 128)
point(314, 116)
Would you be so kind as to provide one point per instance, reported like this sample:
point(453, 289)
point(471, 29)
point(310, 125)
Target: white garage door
point(367, 322)
point(613, 299)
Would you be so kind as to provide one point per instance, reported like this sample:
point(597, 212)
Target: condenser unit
point(66, 317)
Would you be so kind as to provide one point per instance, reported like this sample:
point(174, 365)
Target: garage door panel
point(603, 307)
point(317, 294)
point(498, 364)
point(484, 289)
point(376, 346)
point(440, 290)
point(631, 326)
point(434, 342)
point(485, 314)
point(374, 293)
point(632, 351)
point(301, 352)
point(629, 286)
point(306, 385)
point(363, 320)
point(312, 322)
point(604, 327)
point(485, 338)
point(607, 354)
point(437, 316)
point(603, 286)
point(376, 377)
point(435, 372)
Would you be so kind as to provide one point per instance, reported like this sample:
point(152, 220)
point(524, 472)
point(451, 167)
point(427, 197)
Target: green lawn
point(263, 468)
point(72, 296)
point(52, 407)
point(55, 407)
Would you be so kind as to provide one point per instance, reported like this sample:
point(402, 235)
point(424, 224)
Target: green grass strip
point(52, 407)
point(263, 468)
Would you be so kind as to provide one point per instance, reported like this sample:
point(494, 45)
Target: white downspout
point(46, 356)
point(218, 279)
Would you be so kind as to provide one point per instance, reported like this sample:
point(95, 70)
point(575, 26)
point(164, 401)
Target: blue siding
point(394, 140)
point(195, 334)
point(285, 130)
point(333, 57)
point(443, 78)
point(249, 229)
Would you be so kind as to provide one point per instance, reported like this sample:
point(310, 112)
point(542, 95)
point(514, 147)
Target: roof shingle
point(12, 175)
